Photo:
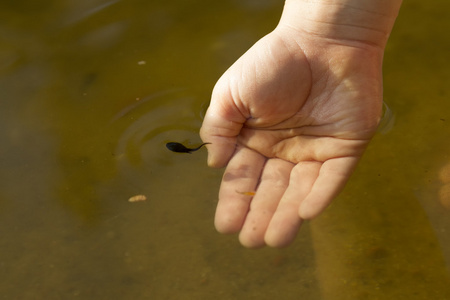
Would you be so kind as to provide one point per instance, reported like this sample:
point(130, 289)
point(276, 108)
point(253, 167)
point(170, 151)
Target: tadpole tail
point(195, 149)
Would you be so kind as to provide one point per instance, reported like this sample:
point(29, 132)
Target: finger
point(222, 139)
point(222, 124)
point(332, 178)
point(286, 222)
point(274, 181)
point(241, 175)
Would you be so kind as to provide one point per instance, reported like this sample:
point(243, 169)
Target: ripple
point(387, 120)
point(143, 129)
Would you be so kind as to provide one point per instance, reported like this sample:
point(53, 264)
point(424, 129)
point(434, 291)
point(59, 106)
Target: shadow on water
point(92, 90)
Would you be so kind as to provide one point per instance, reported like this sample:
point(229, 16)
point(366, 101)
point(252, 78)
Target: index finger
point(241, 175)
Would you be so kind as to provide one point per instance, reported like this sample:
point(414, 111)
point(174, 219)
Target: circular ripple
point(145, 127)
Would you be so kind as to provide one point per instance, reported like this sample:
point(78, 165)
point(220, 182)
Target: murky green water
point(90, 91)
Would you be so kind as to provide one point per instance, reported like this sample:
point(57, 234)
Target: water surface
point(90, 92)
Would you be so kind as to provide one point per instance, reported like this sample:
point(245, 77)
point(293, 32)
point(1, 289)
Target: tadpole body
point(180, 148)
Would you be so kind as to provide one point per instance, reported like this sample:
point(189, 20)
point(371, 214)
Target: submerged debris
point(246, 193)
point(137, 198)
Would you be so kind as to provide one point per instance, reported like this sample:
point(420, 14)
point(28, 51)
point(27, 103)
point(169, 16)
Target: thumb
point(221, 126)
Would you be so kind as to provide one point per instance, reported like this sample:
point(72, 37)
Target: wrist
point(359, 22)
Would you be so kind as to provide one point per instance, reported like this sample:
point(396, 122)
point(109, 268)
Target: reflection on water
point(92, 90)
point(444, 190)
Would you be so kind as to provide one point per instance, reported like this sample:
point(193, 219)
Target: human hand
point(289, 120)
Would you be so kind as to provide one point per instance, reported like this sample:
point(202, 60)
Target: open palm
point(289, 120)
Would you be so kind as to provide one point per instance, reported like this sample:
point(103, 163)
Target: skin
point(293, 116)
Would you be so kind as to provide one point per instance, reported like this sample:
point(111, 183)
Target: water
point(90, 92)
